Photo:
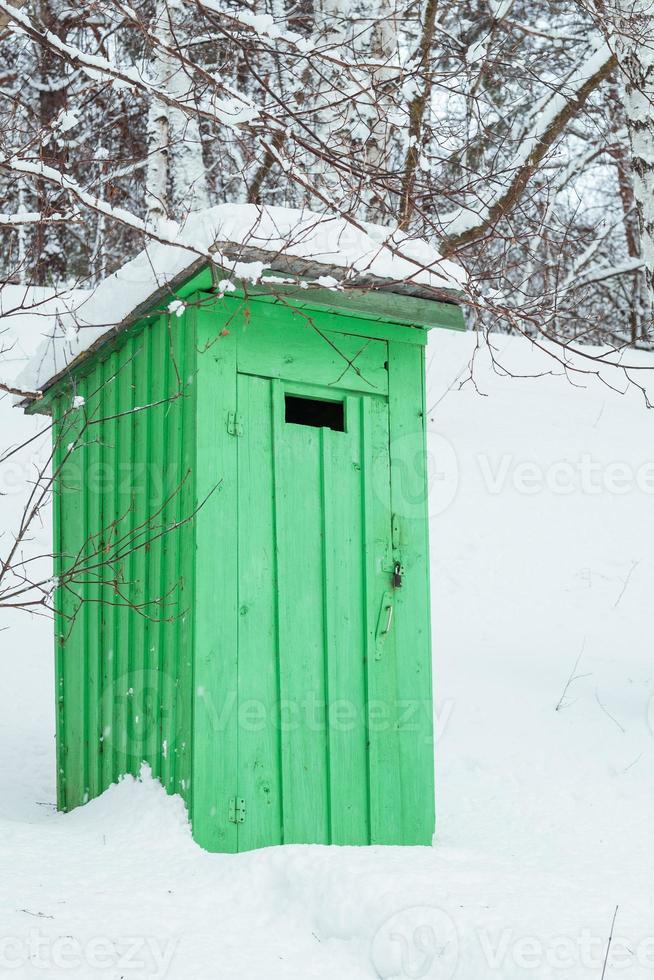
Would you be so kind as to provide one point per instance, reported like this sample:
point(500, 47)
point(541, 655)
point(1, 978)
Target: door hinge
point(235, 424)
point(395, 532)
point(236, 810)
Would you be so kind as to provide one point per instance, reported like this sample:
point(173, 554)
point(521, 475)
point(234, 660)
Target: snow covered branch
point(552, 117)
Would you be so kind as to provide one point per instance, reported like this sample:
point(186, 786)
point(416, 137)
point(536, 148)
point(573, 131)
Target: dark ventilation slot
point(315, 412)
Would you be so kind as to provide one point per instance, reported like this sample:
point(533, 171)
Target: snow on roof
point(243, 239)
point(27, 315)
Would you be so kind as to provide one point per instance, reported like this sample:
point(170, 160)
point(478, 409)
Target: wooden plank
point(298, 518)
point(382, 643)
point(157, 487)
point(92, 389)
point(59, 454)
point(216, 664)
point(395, 309)
point(259, 779)
point(169, 588)
point(345, 604)
point(165, 687)
point(409, 490)
point(138, 718)
point(124, 519)
point(109, 476)
point(72, 640)
point(185, 343)
point(301, 348)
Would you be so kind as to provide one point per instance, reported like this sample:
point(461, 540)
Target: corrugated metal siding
point(124, 500)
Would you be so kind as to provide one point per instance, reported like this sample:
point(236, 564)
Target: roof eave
point(302, 269)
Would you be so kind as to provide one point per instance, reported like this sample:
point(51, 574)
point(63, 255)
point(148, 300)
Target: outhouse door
point(317, 726)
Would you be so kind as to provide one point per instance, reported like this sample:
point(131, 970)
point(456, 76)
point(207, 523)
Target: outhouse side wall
point(124, 503)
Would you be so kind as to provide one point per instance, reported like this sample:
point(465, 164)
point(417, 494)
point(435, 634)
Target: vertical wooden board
point(412, 632)
point(136, 722)
point(147, 396)
point(170, 585)
point(109, 612)
point(184, 334)
point(166, 663)
point(157, 463)
point(384, 759)
point(345, 622)
point(124, 524)
point(85, 588)
point(215, 713)
point(298, 519)
point(92, 389)
point(71, 505)
point(58, 456)
point(259, 781)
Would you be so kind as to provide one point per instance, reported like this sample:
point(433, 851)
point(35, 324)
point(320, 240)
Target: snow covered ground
point(542, 520)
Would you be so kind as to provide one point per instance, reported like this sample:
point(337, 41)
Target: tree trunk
point(176, 175)
point(49, 247)
point(635, 51)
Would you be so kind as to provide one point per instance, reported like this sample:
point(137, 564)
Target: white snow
point(542, 522)
point(27, 315)
point(372, 249)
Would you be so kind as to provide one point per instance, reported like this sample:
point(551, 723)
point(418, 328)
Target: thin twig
point(608, 945)
point(609, 715)
point(626, 582)
point(573, 677)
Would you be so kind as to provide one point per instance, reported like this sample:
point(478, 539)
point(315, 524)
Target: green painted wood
point(58, 457)
point(409, 491)
point(216, 592)
point(368, 304)
point(92, 608)
point(164, 511)
point(270, 658)
point(298, 492)
point(322, 594)
point(259, 739)
point(106, 494)
point(184, 338)
point(122, 519)
point(381, 649)
point(345, 601)
point(109, 612)
point(71, 435)
point(309, 343)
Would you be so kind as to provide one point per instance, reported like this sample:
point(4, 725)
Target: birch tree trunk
point(52, 85)
point(176, 177)
point(635, 50)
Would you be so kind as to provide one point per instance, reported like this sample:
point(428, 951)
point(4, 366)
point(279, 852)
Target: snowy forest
point(518, 137)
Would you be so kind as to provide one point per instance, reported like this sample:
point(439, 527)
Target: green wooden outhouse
point(241, 536)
